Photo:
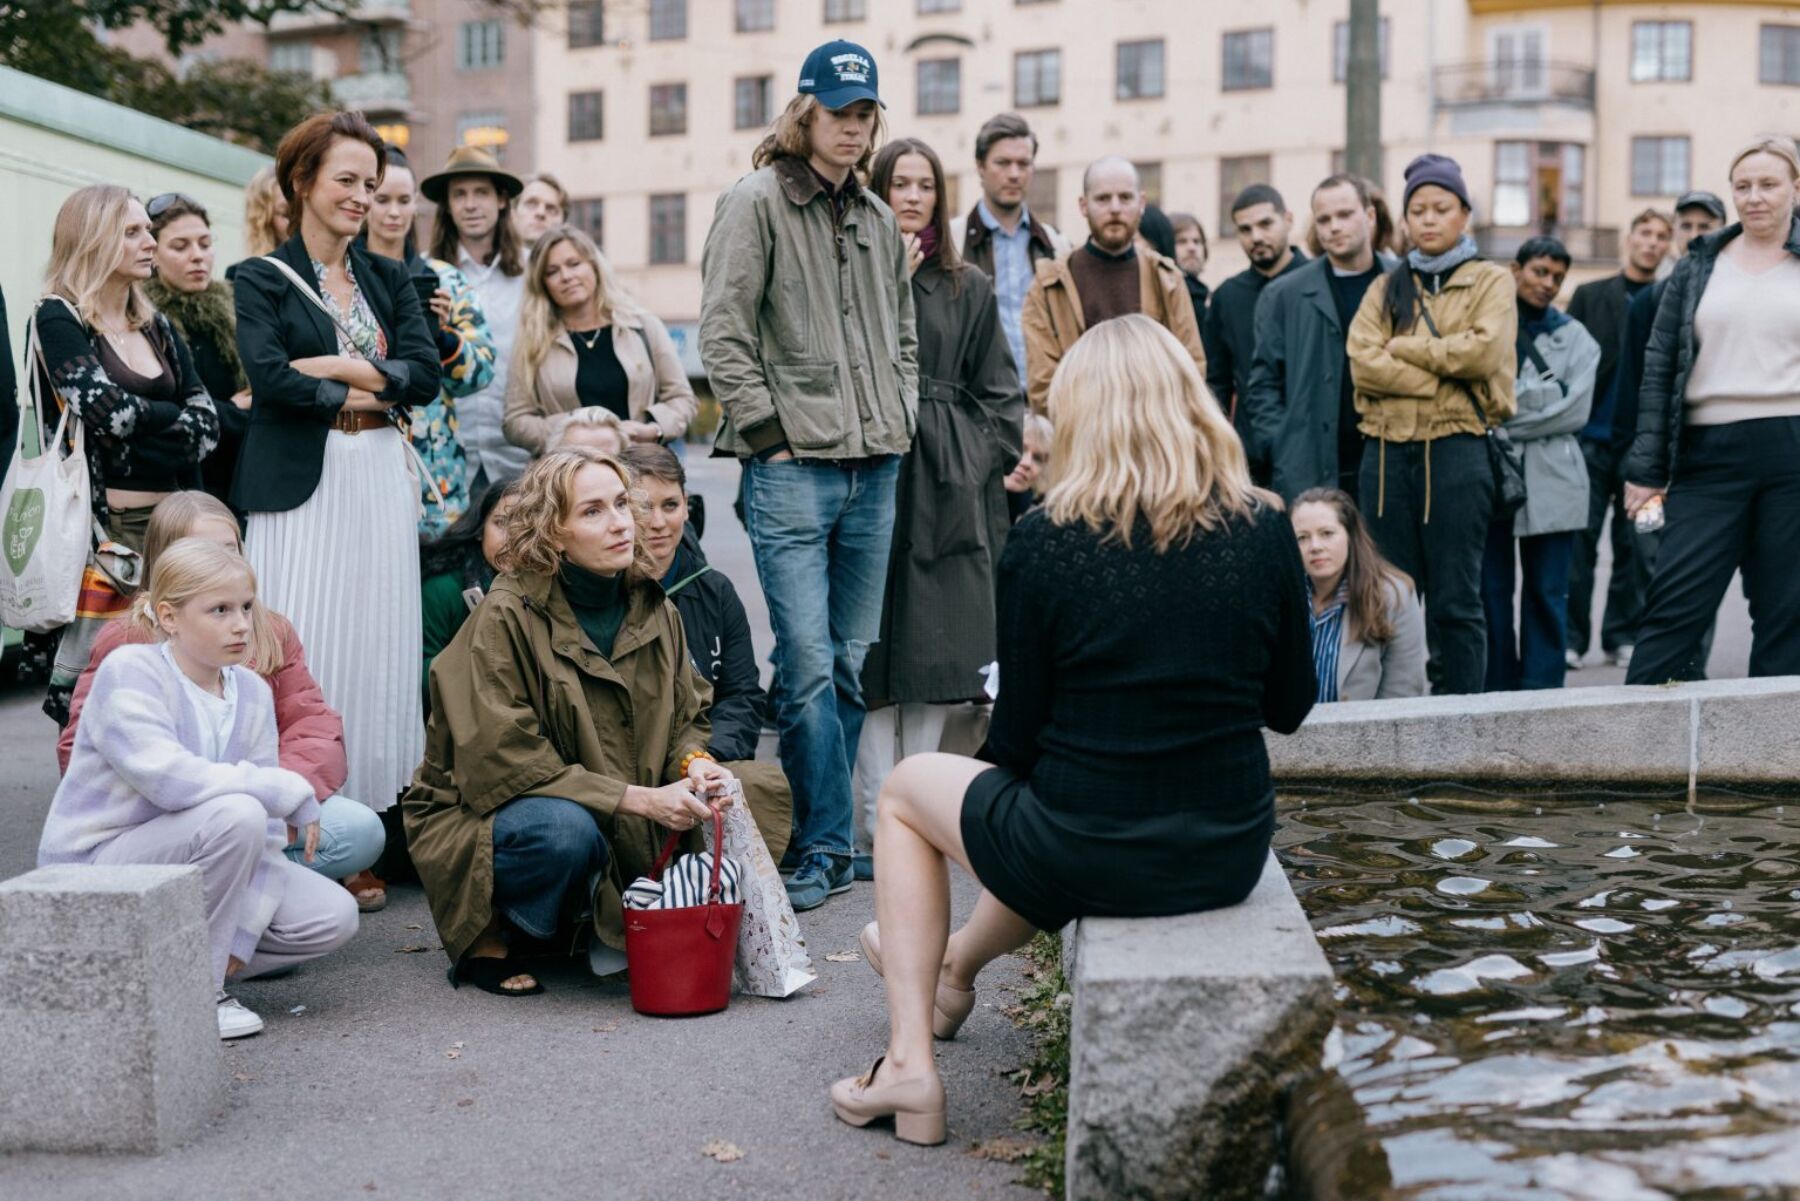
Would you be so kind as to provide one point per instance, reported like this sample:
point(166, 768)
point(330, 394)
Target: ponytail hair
point(184, 570)
point(173, 520)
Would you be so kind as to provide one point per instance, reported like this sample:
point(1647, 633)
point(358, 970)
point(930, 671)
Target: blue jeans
point(350, 839)
point(545, 849)
point(1535, 659)
point(821, 534)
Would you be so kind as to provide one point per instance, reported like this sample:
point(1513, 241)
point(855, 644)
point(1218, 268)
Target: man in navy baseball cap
point(840, 73)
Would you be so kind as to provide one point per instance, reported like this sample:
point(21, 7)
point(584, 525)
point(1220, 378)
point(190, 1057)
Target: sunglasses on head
point(158, 205)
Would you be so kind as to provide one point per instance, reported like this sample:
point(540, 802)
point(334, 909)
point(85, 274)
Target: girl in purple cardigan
point(176, 762)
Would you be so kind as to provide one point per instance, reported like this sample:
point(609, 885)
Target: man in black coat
point(1600, 306)
point(1264, 227)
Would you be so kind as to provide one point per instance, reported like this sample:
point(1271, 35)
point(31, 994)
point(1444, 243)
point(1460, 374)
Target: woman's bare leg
point(918, 825)
point(992, 930)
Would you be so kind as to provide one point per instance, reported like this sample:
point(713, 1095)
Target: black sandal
point(488, 974)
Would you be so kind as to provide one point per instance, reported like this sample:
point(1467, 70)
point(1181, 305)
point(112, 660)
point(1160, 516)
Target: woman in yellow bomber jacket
point(1432, 358)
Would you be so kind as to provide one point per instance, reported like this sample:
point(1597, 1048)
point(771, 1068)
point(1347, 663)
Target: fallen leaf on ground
point(722, 1151)
point(606, 1027)
point(1006, 1148)
point(455, 1051)
point(297, 1010)
point(844, 957)
point(411, 949)
point(1038, 1087)
point(465, 1102)
point(883, 1155)
point(414, 926)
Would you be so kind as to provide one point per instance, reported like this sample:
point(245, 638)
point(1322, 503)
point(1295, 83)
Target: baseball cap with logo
point(839, 74)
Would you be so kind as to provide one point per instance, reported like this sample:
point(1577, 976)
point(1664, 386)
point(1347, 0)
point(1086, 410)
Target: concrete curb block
point(1184, 1032)
point(106, 1010)
point(1719, 732)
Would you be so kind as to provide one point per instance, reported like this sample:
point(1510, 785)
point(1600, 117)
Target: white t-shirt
point(212, 714)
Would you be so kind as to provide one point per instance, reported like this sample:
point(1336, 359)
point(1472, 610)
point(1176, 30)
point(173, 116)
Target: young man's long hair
point(509, 252)
point(1367, 574)
point(1139, 438)
point(791, 136)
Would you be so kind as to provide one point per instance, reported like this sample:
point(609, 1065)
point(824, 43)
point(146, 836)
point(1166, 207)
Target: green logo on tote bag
point(24, 525)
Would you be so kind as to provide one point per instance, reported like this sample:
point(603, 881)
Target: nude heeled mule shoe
point(917, 1106)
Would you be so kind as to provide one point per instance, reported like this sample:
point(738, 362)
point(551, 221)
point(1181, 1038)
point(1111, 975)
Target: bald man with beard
point(1110, 276)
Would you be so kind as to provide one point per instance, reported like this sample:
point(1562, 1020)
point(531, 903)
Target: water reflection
point(1552, 1000)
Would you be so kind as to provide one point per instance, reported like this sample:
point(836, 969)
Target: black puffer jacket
point(718, 638)
point(1669, 361)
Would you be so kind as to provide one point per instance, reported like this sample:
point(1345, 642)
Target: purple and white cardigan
point(136, 758)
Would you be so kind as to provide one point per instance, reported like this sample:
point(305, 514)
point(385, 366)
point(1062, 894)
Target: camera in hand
point(427, 286)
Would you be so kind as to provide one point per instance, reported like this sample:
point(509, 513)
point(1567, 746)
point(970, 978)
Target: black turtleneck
point(598, 601)
point(1107, 283)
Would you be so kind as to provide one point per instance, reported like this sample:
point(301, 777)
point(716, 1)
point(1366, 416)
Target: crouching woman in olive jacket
point(568, 731)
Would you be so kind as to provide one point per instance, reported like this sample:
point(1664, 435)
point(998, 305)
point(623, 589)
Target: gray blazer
point(1370, 671)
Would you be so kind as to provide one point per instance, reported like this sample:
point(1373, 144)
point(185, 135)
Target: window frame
point(762, 7)
point(669, 90)
point(1789, 52)
point(580, 215)
point(1662, 49)
point(1242, 37)
point(658, 251)
point(491, 44)
point(668, 21)
point(1138, 47)
point(766, 104)
point(598, 96)
point(1052, 54)
point(589, 16)
point(1228, 193)
point(858, 11)
point(921, 91)
point(1662, 141)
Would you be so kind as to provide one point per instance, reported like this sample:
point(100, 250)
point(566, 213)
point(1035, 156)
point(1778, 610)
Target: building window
point(1249, 60)
point(1662, 51)
point(1781, 54)
point(586, 117)
point(1140, 70)
point(1037, 78)
point(668, 20)
point(295, 58)
point(378, 51)
point(1659, 166)
point(1539, 185)
point(753, 102)
point(1516, 61)
point(1512, 184)
point(940, 86)
point(668, 109)
point(1236, 174)
point(480, 45)
point(846, 10)
point(589, 216)
point(755, 16)
point(1149, 182)
point(486, 129)
point(939, 6)
point(587, 23)
point(668, 228)
point(1340, 50)
point(1040, 195)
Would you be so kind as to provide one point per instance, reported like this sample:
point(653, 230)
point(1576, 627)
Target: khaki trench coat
point(523, 705)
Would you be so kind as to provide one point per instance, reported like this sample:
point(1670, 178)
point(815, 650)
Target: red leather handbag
point(680, 960)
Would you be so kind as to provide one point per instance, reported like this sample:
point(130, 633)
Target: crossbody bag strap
point(1459, 385)
point(317, 301)
point(40, 370)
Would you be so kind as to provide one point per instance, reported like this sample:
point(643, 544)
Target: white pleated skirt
point(344, 568)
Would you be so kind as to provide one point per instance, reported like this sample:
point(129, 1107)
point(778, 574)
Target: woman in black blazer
point(336, 348)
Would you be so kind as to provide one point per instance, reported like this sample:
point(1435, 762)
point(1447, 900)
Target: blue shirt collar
point(993, 223)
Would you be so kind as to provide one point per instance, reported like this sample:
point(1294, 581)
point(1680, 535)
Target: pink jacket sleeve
point(312, 733)
point(113, 635)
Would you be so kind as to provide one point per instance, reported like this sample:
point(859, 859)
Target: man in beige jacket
point(1112, 275)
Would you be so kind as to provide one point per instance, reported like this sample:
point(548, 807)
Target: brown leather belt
point(355, 421)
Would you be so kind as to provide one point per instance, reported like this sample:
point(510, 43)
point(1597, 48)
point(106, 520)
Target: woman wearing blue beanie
point(1432, 358)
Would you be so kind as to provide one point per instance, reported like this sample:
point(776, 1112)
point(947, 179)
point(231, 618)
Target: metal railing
point(366, 12)
point(1586, 243)
point(1529, 81)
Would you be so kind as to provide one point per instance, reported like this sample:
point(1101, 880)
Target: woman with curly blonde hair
point(567, 731)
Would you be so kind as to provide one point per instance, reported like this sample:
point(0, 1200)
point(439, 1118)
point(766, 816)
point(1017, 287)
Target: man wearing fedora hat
point(806, 330)
point(474, 230)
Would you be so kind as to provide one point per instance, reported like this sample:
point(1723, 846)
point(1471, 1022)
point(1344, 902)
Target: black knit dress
point(1132, 778)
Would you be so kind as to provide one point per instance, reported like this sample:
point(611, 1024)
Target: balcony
point(1519, 82)
point(1586, 243)
point(368, 12)
point(374, 92)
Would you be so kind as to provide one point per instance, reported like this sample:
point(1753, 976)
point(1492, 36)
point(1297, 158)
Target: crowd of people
point(401, 573)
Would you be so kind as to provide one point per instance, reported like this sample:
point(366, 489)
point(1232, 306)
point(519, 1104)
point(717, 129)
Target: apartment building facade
point(1569, 116)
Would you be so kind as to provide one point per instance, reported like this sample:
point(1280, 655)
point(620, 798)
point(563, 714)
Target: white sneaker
point(236, 1021)
point(1620, 657)
point(1573, 660)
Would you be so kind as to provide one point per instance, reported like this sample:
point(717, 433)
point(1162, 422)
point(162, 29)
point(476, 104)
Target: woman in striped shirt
point(1368, 629)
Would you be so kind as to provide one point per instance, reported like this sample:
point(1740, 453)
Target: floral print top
point(365, 339)
point(467, 353)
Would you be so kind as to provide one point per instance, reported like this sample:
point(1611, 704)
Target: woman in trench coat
point(950, 509)
point(568, 733)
